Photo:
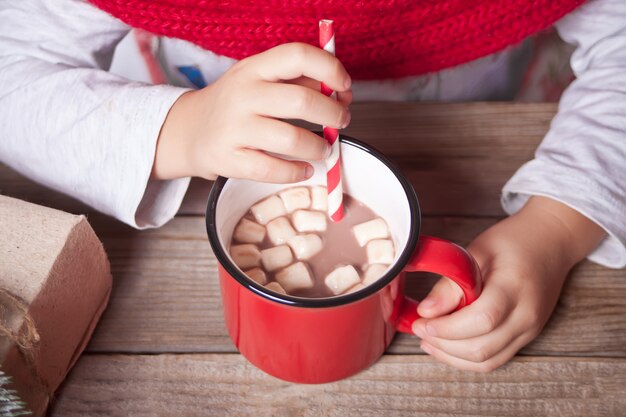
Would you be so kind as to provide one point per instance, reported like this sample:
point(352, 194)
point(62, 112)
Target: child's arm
point(93, 135)
point(68, 123)
point(582, 159)
point(580, 168)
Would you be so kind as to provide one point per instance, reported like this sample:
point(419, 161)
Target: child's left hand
point(524, 260)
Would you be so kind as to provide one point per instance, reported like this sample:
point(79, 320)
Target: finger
point(294, 60)
point(286, 101)
point(259, 166)
point(344, 97)
point(286, 139)
point(487, 366)
point(478, 349)
point(444, 297)
point(479, 318)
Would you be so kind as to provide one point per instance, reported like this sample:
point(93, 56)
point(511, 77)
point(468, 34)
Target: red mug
point(317, 340)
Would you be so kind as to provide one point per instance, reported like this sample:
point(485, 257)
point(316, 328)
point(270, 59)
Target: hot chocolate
point(287, 243)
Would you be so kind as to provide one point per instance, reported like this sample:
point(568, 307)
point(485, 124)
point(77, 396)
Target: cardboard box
point(55, 281)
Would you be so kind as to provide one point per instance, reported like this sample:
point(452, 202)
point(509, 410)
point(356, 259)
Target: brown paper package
point(55, 282)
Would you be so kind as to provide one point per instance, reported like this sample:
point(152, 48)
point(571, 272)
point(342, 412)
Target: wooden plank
point(227, 385)
point(457, 156)
point(18, 186)
point(166, 297)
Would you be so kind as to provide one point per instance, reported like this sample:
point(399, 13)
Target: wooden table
point(161, 348)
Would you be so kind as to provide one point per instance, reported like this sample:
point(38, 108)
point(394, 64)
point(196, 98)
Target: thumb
point(442, 299)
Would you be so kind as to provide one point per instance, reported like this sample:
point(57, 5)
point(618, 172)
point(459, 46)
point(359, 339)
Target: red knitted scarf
point(376, 39)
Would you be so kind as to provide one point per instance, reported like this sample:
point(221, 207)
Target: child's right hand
point(230, 127)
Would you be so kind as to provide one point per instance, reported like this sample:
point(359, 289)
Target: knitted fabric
point(376, 39)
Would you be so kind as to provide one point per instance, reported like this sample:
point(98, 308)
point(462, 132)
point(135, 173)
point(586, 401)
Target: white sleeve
point(582, 160)
point(68, 123)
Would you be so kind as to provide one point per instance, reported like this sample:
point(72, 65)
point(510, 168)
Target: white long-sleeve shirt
point(67, 122)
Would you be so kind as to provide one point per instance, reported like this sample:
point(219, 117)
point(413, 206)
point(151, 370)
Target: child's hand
point(524, 260)
point(230, 127)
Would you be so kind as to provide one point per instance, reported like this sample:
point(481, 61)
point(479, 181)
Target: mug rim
point(395, 270)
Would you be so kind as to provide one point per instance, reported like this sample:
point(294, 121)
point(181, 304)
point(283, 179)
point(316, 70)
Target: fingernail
point(426, 348)
point(347, 83)
point(430, 329)
point(427, 303)
point(346, 119)
point(308, 172)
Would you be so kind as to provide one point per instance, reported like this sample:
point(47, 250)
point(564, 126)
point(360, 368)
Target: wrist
point(570, 233)
point(171, 155)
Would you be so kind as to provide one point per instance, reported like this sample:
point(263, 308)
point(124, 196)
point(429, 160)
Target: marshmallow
point(276, 257)
point(373, 273)
point(341, 279)
point(305, 246)
point(295, 198)
point(356, 288)
point(257, 275)
point(380, 251)
point(275, 286)
point(246, 255)
point(268, 209)
point(309, 221)
point(294, 277)
point(319, 197)
point(373, 229)
point(279, 230)
point(248, 231)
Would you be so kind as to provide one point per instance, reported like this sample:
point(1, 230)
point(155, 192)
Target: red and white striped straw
point(333, 162)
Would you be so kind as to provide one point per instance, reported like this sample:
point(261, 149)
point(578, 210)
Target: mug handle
point(444, 258)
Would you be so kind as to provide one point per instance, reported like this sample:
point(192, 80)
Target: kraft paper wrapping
point(55, 282)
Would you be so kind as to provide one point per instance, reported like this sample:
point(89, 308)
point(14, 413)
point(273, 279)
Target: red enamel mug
point(317, 340)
